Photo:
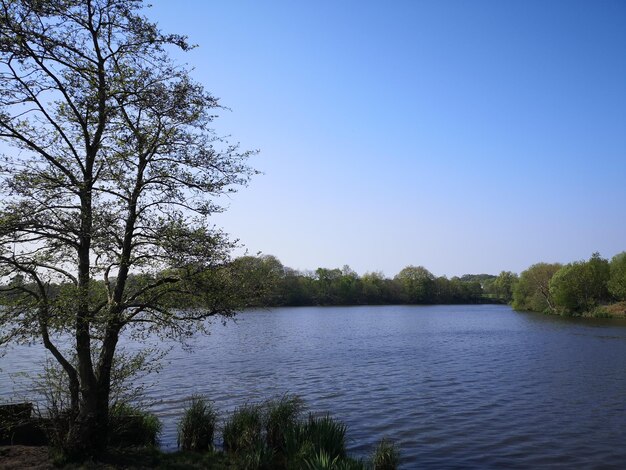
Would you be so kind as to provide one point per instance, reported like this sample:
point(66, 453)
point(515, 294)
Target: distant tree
point(373, 288)
point(350, 287)
point(477, 277)
point(442, 291)
point(617, 281)
point(327, 286)
point(503, 285)
point(297, 289)
point(472, 291)
point(579, 287)
point(258, 280)
point(417, 284)
point(532, 291)
point(598, 278)
point(107, 189)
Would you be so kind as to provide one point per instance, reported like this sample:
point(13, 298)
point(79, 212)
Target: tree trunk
point(83, 438)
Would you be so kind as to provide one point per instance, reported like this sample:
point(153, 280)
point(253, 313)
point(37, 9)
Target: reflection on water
point(456, 386)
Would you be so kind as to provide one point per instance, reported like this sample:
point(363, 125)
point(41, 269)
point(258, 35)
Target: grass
point(281, 415)
point(196, 429)
point(614, 310)
point(322, 461)
point(242, 432)
point(327, 435)
point(131, 426)
point(151, 458)
point(386, 456)
point(270, 435)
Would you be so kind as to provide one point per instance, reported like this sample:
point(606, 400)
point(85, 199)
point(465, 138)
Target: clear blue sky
point(466, 137)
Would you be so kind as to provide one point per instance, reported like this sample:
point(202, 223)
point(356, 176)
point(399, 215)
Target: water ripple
point(455, 386)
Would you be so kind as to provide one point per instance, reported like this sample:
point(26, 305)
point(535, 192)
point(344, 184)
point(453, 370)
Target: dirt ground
point(18, 457)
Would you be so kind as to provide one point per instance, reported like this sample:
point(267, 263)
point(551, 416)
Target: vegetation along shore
point(274, 434)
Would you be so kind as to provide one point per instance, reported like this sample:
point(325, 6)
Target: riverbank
point(41, 458)
point(272, 434)
point(615, 310)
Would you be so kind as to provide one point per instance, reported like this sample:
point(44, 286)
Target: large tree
point(417, 284)
point(110, 173)
point(532, 290)
point(578, 287)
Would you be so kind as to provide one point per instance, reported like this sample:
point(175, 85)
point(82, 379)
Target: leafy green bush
point(130, 426)
point(197, 426)
point(386, 456)
point(242, 432)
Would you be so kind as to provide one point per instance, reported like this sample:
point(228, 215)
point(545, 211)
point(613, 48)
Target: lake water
point(456, 386)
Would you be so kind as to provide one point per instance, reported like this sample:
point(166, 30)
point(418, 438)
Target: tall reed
point(197, 427)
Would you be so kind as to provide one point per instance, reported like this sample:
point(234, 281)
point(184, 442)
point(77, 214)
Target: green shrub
point(297, 448)
point(242, 432)
point(322, 461)
point(281, 415)
point(130, 426)
point(386, 456)
point(259, 458)
point(197, 426)
point(600, 312)
point(326, 435)
point(311, 441)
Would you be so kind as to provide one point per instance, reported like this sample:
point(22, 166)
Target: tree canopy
point(589, 288)
point(617, 281)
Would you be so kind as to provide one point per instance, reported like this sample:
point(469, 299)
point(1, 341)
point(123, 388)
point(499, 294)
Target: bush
point(273, 435)
point(315, 442)
point(197, 426)
point(326, 435)
point(242, 432)
point(130, 426)
point(281, 415)
point(386, 456)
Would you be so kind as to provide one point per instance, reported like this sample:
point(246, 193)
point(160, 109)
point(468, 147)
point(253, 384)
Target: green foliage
point(504, 284)
point(326, 434)
point(197, 426)
point(242, 431)
point(532, 291)
point(311, 443)
point(386, 456)
point(264, 281)
point(131, 426)
point(272, 435)
point(280, 415)
point(260, 281)
point(617, 280)
point(417, 284)
point(578, 287)
point(323, 461)
point(256, 279)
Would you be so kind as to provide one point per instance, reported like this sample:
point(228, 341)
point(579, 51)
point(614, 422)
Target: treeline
point(596, 287)
point(263, 281)
point(283, 286)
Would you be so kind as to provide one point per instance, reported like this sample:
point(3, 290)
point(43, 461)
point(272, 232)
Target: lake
point(476, 386)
